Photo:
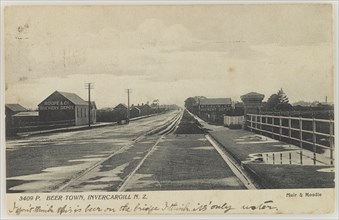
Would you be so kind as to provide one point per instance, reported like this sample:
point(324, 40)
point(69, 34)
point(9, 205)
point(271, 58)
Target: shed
point(65, 108)
point(135, 112)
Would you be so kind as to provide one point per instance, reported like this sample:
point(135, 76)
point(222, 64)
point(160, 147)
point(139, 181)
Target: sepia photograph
point(102, 101)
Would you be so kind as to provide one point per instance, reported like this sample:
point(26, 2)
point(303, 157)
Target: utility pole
point(89, 86)
point(128, 112)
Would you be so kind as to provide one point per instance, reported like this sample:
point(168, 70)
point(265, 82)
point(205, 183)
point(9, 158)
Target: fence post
point(301, 138)
point(272, 118)
point(280, 126)
point(261, 124)
point(314, 138)
point(331, 138)
point(251, 122)
point(289, 127)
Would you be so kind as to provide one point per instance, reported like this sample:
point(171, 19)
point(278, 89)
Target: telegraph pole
point(89, 86)
point(128, 112)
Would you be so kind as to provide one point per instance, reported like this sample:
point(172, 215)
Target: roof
point(74, 98)
point(30, 114)
point(135, 107)
point(216, 101)
point(93, 104)
point(144, 107)
point(120, 106)
point(252, 95)
point(16, 107)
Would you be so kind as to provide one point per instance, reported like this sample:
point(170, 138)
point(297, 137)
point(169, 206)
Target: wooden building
point(135, 112)
point(120, 112)
point(145, 109)
point(214, 109)
point(65, 108)
point(10, 110)
point(23, 119)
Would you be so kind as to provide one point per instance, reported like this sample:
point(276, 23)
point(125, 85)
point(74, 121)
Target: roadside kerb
point(248, 172)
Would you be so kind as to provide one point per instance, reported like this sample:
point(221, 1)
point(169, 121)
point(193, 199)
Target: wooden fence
point(230, 121)
point(311, 133)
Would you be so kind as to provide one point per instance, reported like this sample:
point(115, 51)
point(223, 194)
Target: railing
point(314, 133)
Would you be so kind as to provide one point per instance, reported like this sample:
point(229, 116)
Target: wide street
point(164, 152)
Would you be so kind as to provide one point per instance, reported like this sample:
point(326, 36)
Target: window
point(85, 112)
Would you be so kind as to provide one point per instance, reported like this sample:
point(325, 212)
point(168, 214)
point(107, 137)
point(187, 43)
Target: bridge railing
point(313, 133)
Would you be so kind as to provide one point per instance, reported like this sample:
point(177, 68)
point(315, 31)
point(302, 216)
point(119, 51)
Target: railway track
point(167, 128)
point(167, 131)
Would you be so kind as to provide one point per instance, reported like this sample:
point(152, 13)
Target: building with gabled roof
point(120, 106)
point(14, 108)
point(214, 109)
point(135, 112)
point(120, 112)
point(66, 108)
point(10, 110)
point(145, 109)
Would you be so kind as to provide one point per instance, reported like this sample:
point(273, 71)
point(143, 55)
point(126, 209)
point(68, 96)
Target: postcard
point(163, 109)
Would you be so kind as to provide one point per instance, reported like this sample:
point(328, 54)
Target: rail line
point(168, 126)
point(169, 130)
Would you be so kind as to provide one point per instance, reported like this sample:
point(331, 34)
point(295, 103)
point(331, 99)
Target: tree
point(189, 103)
point(282, 96)
point(272, 102)
point(278, 101)
point(284, 107)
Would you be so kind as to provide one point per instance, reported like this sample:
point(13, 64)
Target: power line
point(89, 86)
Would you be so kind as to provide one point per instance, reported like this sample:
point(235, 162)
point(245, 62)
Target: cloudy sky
point(168, 52)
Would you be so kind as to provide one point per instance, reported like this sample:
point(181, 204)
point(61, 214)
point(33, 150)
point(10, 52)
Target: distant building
point(120, 107)
point(214, 109)
point(22, 119)
point(120, 111)
point(145, 109)
point(65, 108)
point(135, 112)
point(10, 110)
point(252, 102)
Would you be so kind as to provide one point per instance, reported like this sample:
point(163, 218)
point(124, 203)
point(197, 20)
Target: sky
point(168, 52)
